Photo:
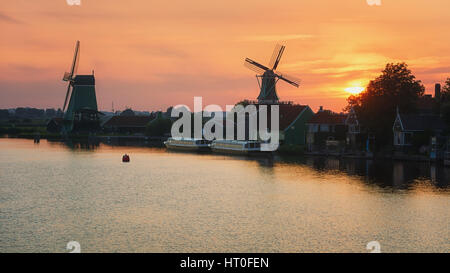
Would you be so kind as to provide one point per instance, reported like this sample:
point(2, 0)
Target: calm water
point(51, 194)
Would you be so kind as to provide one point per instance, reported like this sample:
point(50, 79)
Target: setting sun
point(354, 90)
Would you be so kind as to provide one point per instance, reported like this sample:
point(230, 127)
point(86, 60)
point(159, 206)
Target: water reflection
point(386, 174)
point(402, 175)
point(86, 145)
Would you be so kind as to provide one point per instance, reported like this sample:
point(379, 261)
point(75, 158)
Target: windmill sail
point(67, 96)
point(290, 79)
point(276, 56)
point(76, 59)
point(256, 69)
point(252, 63)
point(69, 76)
point(73, 69)
point(276, 50)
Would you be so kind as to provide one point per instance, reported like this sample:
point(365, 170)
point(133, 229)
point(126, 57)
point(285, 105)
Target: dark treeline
point(30, 113)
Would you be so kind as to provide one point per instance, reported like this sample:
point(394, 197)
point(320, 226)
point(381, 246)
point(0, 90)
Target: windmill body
point(82, 113)
point(268, 93)
point(268, 77)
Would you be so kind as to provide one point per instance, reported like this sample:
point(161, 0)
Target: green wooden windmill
point(82, 113)
point(268, 77)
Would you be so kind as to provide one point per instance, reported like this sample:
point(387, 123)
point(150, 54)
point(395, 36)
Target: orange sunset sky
point(149, 54)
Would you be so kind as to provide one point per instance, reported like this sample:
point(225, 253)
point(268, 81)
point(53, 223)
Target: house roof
point(128, 121)
point(422, 122)
point(289, 113)
point(328, 117)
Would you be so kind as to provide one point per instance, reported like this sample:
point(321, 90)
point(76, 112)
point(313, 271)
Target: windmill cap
point(84, 80)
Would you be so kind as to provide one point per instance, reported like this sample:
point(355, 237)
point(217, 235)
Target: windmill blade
point(276, 56)
point(279, 57)
point(254, 68)
point(289, 79)
point(275, 53)
point(75, 60)
point(78, 52)
point(257, 67)
point(67, 96)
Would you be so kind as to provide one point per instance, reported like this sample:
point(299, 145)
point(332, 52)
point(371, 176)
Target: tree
point(445, 94)
point(376, 106)
point(4, 114)
point(243, 103)
point(445, 99)
point(168, 113)
point(128, 113)
point(30, 113)
point(159, 126)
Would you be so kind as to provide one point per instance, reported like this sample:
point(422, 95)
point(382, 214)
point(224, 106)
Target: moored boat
point(236, 147)
point(187, 144)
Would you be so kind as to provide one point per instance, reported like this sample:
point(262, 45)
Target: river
point(52, 193)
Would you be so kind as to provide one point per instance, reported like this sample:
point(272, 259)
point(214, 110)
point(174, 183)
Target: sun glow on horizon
point(354, 90)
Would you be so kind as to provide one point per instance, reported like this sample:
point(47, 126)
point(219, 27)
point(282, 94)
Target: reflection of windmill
point(81, 113)
point(269, 77)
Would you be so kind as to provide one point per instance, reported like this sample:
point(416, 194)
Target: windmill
point(82, 112)
point(269, 77)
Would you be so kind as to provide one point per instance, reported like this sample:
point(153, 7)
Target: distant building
point(326, 130)
point(355, 139)
point(127, 124)
point(416, 129)
point(423, 129)
point(429, 105)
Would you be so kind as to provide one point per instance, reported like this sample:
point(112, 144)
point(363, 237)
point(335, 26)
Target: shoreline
point(148, 141)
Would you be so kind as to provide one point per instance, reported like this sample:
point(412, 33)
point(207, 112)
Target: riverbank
point(284, 150)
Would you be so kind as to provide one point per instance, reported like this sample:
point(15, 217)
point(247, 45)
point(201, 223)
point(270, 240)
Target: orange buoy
point(125, 158)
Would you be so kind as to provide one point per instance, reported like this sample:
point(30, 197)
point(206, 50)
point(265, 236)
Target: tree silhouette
point(376, 106)
point(445, 94)
point(445, 100)
point(159, 126)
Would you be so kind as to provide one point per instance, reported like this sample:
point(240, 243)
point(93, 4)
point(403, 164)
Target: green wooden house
point(293, 119)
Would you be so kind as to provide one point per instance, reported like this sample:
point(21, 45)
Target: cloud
point(161, 50)
point(8, 19)
point(436, 70)
point(271, 38)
